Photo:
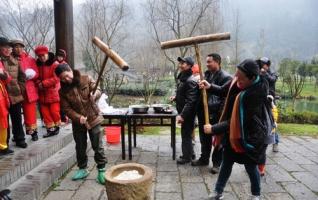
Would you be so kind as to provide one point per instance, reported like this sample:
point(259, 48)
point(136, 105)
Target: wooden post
point(100, 73)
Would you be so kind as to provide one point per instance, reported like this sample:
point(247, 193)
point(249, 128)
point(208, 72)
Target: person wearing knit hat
point(48, 86)
point(31, 96)
point(78, 101)
point(60, 56)
point(15, 89)
point(240, 128)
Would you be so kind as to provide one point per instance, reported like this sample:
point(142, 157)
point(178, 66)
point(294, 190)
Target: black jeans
point(16, 121)
point(186, 135)
point(95, 136)
point(206, 143)
point(225, 172)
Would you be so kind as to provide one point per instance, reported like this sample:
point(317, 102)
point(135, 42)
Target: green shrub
point(289, 116)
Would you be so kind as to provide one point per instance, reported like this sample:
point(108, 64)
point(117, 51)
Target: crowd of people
point(49, 83)
point(242, 118)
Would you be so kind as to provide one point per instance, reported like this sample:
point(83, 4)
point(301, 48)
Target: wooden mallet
point(109, 54)
point(195, 41)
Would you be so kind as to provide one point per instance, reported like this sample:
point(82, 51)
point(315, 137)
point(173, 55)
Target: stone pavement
point(292, 173)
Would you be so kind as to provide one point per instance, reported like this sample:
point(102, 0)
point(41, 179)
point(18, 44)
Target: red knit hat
point(41, 49)
point(195, 69)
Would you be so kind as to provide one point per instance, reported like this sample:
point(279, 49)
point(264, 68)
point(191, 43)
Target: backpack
point(269, 122)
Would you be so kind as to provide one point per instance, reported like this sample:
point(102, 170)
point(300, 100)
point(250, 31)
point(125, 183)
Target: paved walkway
point(292, 173)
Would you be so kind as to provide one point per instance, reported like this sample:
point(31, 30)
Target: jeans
point(276, 137)
point(225, 172)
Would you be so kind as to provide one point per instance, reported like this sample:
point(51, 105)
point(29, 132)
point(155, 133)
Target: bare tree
point(105, 19)
point(261, 43)
point(236, 41)
point(175, 19)
point(33, 22)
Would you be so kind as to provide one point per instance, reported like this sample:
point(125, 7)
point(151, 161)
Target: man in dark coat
point(241, 128)
point(79, 104)
point(186, 100)
point(215, 77)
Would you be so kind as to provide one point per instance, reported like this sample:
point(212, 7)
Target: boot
point(49, 132)
point(80, 174)
point(35, 136)
point(101, 176)
point(56, 130)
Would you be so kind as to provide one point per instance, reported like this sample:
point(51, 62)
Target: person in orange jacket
point(48, 84)
point(4, 111)
point(31, 96)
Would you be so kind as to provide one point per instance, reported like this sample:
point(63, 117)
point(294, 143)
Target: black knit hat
point(249, 67)
point(62, 68)
point(5, 42)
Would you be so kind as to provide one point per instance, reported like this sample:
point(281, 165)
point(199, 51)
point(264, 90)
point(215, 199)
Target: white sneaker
point(255, 197)
point(215, 196)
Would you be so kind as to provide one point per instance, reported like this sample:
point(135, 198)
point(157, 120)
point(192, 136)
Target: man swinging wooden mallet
point(195, 41)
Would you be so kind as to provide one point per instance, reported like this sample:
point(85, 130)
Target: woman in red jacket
point(31, 96)
point(48, 84)
point(4, 106)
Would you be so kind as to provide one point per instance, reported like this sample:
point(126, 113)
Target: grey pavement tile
point(194, 191)
point(299, 191)
point(278, 196)
point(168, 187)
point(311, 168)
point(68, 184)
point(168, 196)
point(288, 164)
point(278, 173)
point(164, 177)
point(89, 190)
point(308, 179)
point(54, 195)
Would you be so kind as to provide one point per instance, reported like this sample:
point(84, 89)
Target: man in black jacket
point(215, 77)
point(186, 100)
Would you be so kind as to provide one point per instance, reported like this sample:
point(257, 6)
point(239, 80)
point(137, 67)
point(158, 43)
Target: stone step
point(37, 181)
point(15, 166)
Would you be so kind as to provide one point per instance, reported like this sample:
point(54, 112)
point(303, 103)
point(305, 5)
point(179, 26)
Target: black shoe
point(35, 136)
point(182, 161)
point(49, 132)
point(192, 157)
point(21, 144)
point(4, 194)
point(56, 130)
point(6, 151)
point(200, 162)
point(215, 170)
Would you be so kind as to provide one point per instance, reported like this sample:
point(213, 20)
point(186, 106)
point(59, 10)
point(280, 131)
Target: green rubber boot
point(101, 176)
point(80, 174)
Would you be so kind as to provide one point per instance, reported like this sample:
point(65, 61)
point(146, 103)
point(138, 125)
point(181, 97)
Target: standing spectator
point(271, 77)
point(241, 127)
point(60, 57)
point(186, 99)
point(79, 103)
point(215, 77)
point(4, 111)
point(49, 85)
point(31, 97)
point(15, 88)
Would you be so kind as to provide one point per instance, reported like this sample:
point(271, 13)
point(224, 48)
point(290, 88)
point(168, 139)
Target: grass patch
point(298, 129)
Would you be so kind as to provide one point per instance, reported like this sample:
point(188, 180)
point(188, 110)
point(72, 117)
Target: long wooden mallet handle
point(195, 40)
point(111, 54)
point(100, 73)
point(203, 91)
